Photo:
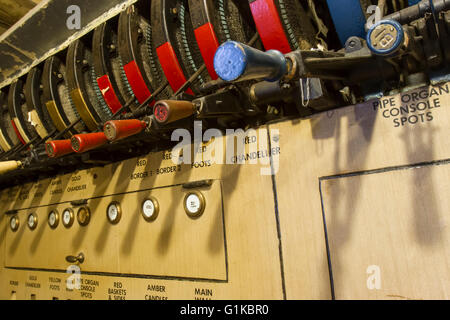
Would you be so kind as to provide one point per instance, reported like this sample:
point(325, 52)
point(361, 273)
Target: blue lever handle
point(235, 61)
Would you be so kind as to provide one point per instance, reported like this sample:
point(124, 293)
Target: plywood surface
point(275, 237)
point(398, 234)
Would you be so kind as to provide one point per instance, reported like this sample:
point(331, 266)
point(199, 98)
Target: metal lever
point(77, 259)
point(236, 61)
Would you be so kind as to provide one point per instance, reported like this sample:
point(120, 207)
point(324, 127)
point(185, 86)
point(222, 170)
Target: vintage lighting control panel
point(357, 192)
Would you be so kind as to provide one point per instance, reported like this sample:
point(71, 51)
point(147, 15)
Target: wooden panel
point(373, 135)
point(246, 233)
point(274, 227)
point(396, 231)
point(174, 245)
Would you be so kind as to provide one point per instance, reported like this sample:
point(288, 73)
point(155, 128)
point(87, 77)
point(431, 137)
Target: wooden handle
point(9, 166)
point(167, 111)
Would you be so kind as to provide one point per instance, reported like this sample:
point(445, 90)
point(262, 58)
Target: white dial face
point(148, 208)
point(13, 223)
point(113, 212)
point(31, 221)
point(66, 217)
point(193, 204)
point(52, 218)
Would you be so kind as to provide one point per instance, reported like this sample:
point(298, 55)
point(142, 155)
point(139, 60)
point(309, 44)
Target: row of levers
point(120, 91)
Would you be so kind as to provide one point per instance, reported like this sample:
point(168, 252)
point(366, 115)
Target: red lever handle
point(88, 141)
point(120, 129)
point(58, 148)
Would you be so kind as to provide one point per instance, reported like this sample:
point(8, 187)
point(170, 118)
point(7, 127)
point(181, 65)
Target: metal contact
point(150, 209)
point(32, 221)
point(68, 217)
point(114, 212)
point(194, 204)
point(84, 216)
point(53, 219)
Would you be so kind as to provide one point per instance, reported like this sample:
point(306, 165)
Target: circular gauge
point(32, 221)
point(14, 223)
point(83, 216)
point(68, 217)
point(53, 219)
point(150, 209)
point(194, 204)
point(114, 212)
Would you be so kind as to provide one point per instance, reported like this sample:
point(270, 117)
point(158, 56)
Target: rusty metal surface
point(43, 31)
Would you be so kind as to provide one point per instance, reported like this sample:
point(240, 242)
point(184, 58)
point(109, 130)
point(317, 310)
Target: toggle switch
point(14, 223)
point(83, 216)
point(32, 221)
point(53, 219)
point(121, 129)
point(88, 141)
point(76, 259)
point(167, 111)
point(68, 217)
point(150, 209)
point(194, 204)
point(58, 148)
point(114, 212)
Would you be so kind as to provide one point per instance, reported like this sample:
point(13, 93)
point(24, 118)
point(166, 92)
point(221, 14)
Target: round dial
point(114, 212)
point(53, 219)
point(32, 221)
point(67, 217)
point(84, 216)
point(14, 223)
point(194, 204)
point(150, 209)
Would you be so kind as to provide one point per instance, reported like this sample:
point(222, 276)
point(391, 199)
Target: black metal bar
point(59, 135)
point(123, 108)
